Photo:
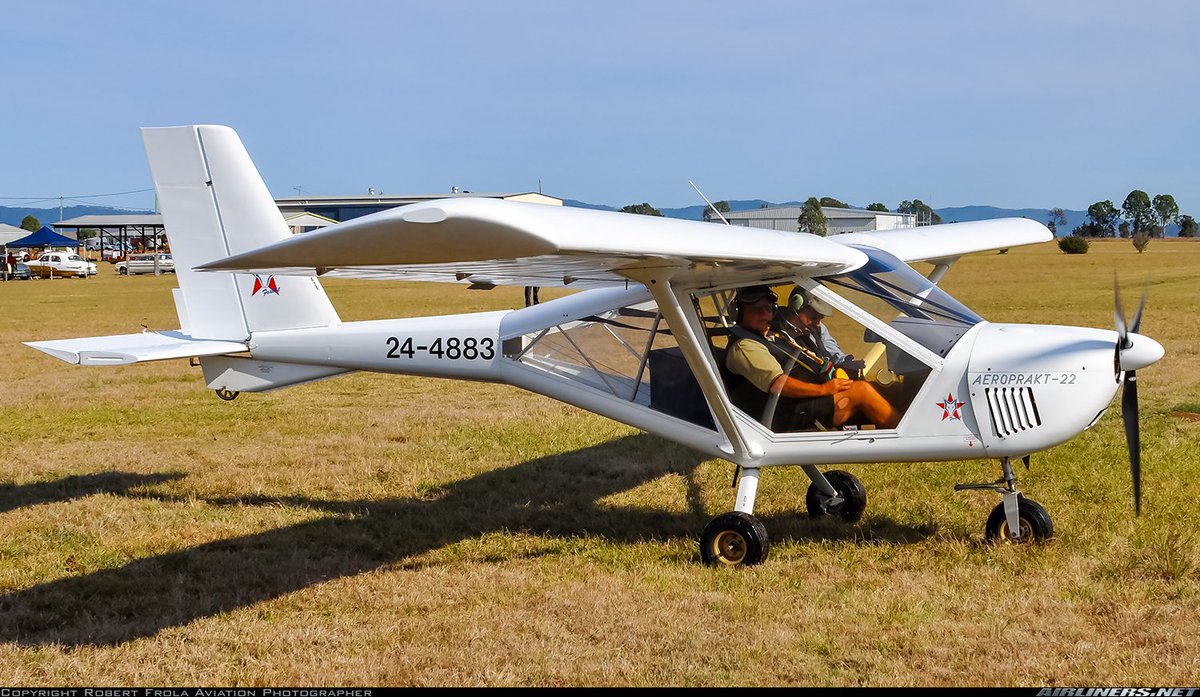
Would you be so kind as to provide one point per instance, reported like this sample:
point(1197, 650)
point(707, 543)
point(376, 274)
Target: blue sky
point(1013, 103)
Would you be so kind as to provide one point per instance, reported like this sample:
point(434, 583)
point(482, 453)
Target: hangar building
point(839, 220)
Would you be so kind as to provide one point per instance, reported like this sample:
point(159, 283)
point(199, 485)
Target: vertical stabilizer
point(214, 205)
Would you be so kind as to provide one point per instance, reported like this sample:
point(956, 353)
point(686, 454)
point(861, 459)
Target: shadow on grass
point(554, 495)
point(13, 496)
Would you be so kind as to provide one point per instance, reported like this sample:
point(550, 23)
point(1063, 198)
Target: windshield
point(887, 278)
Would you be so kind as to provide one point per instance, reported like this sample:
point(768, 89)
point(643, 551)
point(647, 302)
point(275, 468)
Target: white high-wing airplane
point(645, 344)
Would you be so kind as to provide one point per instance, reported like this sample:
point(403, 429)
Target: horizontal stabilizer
point(123, 349)
point(238, 374)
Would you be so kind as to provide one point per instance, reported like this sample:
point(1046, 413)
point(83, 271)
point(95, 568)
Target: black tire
point(848, 488)
point(227, 395)
point(1035, 523)
point(123, 271)
point(734, 539)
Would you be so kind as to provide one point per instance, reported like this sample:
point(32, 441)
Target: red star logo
point(950, 408)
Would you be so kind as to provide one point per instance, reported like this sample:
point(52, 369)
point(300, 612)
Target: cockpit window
point(887, 278)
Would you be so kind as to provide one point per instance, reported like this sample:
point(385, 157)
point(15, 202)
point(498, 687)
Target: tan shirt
point(754, 362)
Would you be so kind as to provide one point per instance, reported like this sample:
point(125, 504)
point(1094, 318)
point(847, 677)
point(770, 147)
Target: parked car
point(144, 263)
point(93, 244)
point(61, 264)
point(21, 272)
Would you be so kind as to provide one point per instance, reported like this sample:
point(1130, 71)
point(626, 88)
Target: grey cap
point(799, 299)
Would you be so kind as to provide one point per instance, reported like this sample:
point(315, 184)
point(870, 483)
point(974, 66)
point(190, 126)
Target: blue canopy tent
point(43, 238)
point(37, 240)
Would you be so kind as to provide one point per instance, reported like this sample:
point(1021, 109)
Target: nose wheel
point(1016, 519)
point(1033, 523)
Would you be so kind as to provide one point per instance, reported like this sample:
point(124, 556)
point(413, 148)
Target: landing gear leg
point(1015, 519)
point(737, 538)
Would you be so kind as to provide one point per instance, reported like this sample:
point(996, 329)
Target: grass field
point(405, 531)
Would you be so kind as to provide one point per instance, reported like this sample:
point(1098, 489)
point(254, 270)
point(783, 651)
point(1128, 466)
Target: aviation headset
point(800, 299)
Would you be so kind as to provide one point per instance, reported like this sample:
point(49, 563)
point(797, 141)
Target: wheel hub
point(1026, 532)
point(730, 547)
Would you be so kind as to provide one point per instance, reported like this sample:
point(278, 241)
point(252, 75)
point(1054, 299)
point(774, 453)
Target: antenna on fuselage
point(710, 204)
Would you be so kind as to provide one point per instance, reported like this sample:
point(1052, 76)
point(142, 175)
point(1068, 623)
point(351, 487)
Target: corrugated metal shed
point(839, 220)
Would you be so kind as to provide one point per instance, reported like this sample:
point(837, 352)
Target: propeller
point(1129, 399)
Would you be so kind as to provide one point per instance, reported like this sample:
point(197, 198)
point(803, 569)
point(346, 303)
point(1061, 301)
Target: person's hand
point(837, 385)
point(852, 365)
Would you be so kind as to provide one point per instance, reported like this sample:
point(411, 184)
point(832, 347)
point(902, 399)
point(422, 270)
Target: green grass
point(391, 530)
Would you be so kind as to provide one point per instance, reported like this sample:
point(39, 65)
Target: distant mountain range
point(46, 216)
point(14, 216)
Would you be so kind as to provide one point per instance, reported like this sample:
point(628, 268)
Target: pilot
point(808, 396)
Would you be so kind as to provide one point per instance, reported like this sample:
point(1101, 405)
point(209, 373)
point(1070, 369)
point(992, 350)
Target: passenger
point(810, 396)
point(799, 323)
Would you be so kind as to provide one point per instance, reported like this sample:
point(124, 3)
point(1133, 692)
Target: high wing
point(947, 242)
point(489, 242)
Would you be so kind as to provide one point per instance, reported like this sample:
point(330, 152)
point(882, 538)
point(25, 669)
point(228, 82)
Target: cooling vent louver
point(1013, 409)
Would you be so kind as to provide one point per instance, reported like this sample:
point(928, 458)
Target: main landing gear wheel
point(1032, 518)
point(848, 488)
point(734, 539)
point(227, 395)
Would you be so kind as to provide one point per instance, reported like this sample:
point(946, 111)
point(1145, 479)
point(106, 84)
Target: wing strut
point(658, 283)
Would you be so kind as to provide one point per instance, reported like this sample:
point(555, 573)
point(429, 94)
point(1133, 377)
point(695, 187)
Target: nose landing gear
point(1016, 519)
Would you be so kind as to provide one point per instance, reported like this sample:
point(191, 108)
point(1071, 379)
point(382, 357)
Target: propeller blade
point(1119, 313)
point(1129, 412)
point(1137, 316)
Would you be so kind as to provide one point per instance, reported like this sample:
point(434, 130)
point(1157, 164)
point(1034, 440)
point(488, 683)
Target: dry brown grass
point(402, 531)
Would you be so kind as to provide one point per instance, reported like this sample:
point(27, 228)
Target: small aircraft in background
point(645, 342)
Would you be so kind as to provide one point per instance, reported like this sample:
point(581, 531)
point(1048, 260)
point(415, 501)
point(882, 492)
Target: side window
point(627, 352)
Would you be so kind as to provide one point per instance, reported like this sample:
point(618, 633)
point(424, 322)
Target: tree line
point(1138, 216)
